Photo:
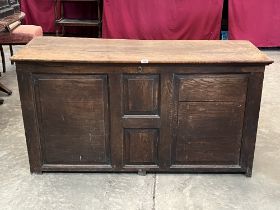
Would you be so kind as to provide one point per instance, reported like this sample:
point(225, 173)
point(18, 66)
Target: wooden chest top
point(86, 50)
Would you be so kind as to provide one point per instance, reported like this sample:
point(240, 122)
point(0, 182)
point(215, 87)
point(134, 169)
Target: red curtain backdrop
point(39, 12)
point(255, 20)
point(158, 19)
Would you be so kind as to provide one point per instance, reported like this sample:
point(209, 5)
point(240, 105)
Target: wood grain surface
point(85, 50)
point(88, 105)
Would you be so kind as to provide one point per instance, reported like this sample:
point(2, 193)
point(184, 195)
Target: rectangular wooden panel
point(208, 133)
point(67, 117)
point(75, 149)
point(141, 94)
point(74, 118)
point(141, 146)
point(212, 87)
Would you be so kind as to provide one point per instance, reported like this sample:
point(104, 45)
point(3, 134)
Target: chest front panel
point(163, 118)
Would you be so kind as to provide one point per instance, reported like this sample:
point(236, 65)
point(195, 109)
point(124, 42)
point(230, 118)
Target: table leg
point(12, 52)
point(5, 89)
point(3, 58)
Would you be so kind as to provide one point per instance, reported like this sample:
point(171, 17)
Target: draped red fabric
point(255, 20)
point(158, 19)
point(39, 12)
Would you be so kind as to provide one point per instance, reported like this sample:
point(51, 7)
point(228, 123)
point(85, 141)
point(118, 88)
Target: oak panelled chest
point(128, 105)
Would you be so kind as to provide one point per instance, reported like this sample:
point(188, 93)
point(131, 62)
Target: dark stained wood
point(85, 68)
point(68, 134)
point(116, 113)
point(141, 146)
point(200, 119)
point(253, 103)
point(212, 87)
point(30, 120)
point(209, 120)
point(184, 115)
point(166, 113)
point(141, 121)
point(141, 93)
point(77, 22)
point(209, 133)
point(3, 59)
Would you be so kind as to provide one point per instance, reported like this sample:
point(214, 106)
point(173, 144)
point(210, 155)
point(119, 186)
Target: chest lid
point(89, 50)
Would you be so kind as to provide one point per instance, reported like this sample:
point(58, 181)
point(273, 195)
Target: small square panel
point(141, 146)
point(141, 94)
